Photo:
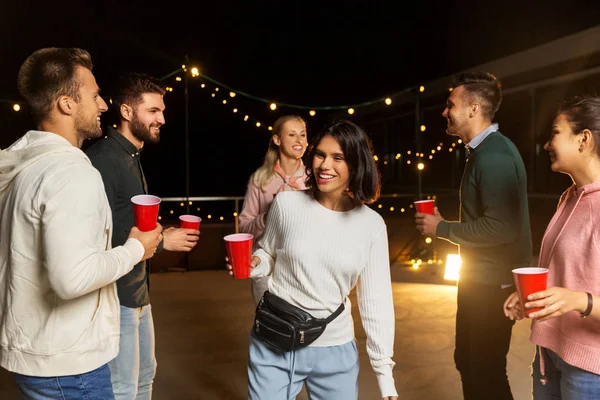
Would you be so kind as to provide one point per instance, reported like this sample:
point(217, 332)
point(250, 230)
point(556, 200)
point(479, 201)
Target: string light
point(171, 212)
point(213, 95)
point(375, 158)
point(273, 106)
point(231, 94)
point(408, 162)
point(245, 118)
point(398, 156)
point(391, 208)
point(270, 128)
point(203, 86)
point(428, 240)
point(421, 89)
point(351, 111)
point(209, 216)
point(181, 204)
point(420, 166)
point(224, 101)
point(423, 127)
point(17, 107)
point(178, 79)
point(439, 148)
point(235, 110)
point(221, 218)
point(258, 124)
point(190, 203)
point(216, 89)
point(195, 72)
point(380, 206)
point(312, 113)
point(388, 101)
point(235, 214)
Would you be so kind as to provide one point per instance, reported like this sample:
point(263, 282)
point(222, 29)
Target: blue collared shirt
point(480, 137)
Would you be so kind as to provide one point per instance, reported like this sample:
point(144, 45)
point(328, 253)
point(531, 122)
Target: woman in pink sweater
point(567, 329)
point(282, 170)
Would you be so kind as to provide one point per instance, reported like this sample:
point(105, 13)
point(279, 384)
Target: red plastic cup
point(239, 249)
point(189, 222)
point(145, 210)
point(425, 206)
point(528, 281)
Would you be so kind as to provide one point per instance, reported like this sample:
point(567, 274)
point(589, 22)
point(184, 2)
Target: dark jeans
point(482, 341)
point(93, 385)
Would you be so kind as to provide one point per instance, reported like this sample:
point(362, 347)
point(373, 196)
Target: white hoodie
point(59, 311)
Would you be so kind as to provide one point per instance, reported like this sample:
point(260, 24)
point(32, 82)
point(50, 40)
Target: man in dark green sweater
point(493, 235)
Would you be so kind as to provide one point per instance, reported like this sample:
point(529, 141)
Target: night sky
point(294, 52)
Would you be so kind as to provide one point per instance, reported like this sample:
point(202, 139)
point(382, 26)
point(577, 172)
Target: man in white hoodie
point(59, 311)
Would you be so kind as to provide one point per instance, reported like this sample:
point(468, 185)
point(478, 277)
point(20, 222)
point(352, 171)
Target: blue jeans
point(132, 371)
point(565, 381)
point(93, 385)
point(330, 373)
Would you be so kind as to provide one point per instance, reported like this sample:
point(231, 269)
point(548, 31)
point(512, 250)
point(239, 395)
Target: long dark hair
point(365, 185)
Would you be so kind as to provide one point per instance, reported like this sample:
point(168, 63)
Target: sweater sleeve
point(251, 219)
point(499, 192)
point(73, 225)
point(267, 246)
point(376, 305)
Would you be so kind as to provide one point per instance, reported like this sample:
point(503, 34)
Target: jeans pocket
point(34, 388)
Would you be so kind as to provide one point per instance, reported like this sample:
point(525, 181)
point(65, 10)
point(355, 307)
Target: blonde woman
point(282, 170)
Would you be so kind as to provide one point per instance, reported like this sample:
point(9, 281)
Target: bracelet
point(588, 310)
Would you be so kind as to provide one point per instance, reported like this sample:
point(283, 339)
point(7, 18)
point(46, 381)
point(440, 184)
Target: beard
point(87, 128)
point(142, 132)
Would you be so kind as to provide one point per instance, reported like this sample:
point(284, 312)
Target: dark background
point(295, 52)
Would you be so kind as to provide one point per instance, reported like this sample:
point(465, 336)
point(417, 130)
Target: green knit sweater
point(494, 235)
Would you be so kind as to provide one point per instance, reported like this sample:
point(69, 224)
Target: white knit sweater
point(315, 257)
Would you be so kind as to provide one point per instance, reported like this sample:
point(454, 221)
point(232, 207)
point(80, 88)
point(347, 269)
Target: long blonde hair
point(264, 175)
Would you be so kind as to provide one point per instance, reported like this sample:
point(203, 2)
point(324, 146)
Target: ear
point(276, 140)
point(126, 112)
point(66, 105)
point(586, 137)
point(474, 109)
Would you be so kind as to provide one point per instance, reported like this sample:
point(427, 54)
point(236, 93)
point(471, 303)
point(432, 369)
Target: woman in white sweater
point(317, 246)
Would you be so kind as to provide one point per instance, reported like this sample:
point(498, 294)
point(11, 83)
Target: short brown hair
point(48, 74)
point(130, 88)
point(484, 87)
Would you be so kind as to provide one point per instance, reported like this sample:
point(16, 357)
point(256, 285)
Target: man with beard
point(59, 322)
point(493, 234)
point(138, 98)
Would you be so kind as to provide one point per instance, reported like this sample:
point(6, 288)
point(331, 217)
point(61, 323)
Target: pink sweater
point(257, 202)
point(571, 251)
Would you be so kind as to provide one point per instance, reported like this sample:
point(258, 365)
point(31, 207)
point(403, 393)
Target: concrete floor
point(203, 319)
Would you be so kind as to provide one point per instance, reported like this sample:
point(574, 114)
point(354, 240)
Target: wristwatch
point(588, 310)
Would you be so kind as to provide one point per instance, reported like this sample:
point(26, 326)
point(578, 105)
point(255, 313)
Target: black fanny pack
point(285, 327)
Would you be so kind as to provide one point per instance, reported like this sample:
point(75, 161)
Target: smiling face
point(563, 146)
point(457, 113)
point(89, 107)
point(148, 117)
point(332, 173)
point(292, 139)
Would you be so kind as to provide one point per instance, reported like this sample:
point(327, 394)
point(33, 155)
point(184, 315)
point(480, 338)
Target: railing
point(235, 199)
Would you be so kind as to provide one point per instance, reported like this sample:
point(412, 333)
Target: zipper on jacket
point(301, 336)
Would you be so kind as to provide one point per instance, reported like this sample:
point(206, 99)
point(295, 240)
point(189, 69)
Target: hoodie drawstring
point(543, 377)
